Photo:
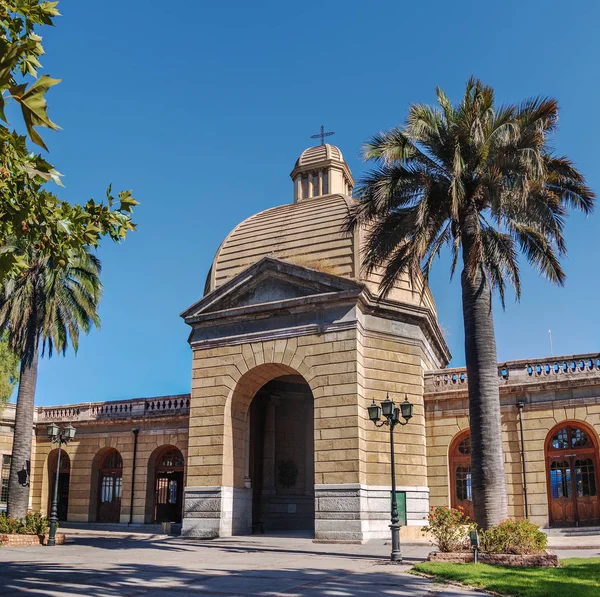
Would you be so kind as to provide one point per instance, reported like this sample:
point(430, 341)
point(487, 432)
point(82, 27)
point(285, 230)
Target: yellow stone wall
point(226, 379)
point(398, 368)
point(91, 443)
point(447, 416)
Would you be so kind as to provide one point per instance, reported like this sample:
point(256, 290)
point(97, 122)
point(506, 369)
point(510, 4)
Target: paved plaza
point(100, 566)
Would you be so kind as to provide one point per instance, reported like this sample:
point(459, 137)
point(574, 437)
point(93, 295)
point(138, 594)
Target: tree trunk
point(487, 459)
point(18, 483)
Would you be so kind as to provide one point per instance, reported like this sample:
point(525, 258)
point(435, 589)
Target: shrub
point(10, 525)
point(33, 524)
point(36, 523)
point(515, 536)
point(450, 528)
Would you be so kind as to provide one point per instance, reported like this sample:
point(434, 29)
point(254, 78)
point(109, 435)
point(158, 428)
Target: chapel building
point(291, 343)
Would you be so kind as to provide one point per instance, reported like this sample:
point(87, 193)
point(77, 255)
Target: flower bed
point(513, 542)
point(8, 540)
point(26, 532)
point(546, 559)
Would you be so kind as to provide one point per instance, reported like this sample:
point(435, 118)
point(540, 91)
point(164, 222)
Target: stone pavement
point(279, 566)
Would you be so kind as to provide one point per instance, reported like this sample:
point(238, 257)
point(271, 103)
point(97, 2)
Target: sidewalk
point(94, 566)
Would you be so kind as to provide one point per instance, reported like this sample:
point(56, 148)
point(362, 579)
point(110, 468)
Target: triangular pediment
point(270, 281)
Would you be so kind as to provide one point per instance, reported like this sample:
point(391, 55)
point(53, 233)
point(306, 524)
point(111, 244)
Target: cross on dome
point(322, 135)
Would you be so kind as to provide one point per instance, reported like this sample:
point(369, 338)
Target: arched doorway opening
point(572, 467)
point(168, 485)
point(273, 470)
point(281, 460)
point(110, 487)
point(64, 477)
point(461, 493)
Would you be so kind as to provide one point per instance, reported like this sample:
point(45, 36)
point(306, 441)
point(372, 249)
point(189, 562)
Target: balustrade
point(516, 372)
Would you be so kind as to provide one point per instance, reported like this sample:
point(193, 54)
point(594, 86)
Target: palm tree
point(43, 309)
point(482, 180)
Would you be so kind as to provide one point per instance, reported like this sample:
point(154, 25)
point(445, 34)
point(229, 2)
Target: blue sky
point(203, 107)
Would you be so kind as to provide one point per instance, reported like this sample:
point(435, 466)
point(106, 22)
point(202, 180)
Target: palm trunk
point(18, 483)
point(487, 459)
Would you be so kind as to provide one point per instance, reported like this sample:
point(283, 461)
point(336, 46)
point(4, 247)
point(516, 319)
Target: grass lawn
point(578, 577)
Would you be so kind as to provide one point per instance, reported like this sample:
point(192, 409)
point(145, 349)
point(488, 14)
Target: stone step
point(128, 529)
point(573, 532)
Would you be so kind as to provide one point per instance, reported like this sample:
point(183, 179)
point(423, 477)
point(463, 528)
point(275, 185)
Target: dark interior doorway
point(281, 456)
point(168, 486)
point(64, 478)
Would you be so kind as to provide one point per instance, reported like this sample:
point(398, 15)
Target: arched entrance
point(110, 487)
point(280, 467)
point(168, 485)
point(572, 466)
point(461, 495)
point(64, 476)
point(271, 469)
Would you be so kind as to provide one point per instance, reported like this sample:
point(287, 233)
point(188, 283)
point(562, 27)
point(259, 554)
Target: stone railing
point(138, 407)
point(533, 371)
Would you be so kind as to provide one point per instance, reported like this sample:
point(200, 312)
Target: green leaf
point(33, 106)
point(127, 202)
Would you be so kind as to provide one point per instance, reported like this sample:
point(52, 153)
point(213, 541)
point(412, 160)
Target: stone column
point(309, 467)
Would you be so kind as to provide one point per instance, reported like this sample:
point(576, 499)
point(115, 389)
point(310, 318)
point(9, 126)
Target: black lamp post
point(392, 414)
point(58, 435)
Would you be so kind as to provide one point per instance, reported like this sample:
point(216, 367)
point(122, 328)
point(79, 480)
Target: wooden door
point(572, 457)
point(110, 488)
point(460, 474)
point(562, 504)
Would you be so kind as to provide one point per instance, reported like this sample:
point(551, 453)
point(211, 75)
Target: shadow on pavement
point(33, 578)
point(244, 546)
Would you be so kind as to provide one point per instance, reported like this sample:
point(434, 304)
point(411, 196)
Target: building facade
point(291, 342)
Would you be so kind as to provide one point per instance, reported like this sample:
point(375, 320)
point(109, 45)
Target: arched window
point(65, 462)
point(572, 464)
point(171, 459)
point(460, 473)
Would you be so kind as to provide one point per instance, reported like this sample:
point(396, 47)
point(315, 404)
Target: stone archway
point(573, 477)
point(280, 456)
point(164, 485)
point(107, 486)
point(459, 460)
point(271, 456)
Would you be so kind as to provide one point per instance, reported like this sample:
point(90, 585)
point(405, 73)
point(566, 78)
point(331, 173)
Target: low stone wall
point(29, 540)
point(547, 560)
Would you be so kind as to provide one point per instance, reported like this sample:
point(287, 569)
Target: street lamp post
point(392, 413)
point(58, 435)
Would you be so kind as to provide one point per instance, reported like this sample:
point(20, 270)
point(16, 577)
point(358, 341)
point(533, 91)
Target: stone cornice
point(421, 316)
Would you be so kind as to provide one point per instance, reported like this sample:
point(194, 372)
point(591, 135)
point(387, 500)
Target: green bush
point(450, 528)
point(36, 523)
point(33, 524)
point(515, 536)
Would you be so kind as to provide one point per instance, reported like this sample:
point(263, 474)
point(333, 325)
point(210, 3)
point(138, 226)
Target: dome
point(307, 234)
point(319, 153)
point(310, 231)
